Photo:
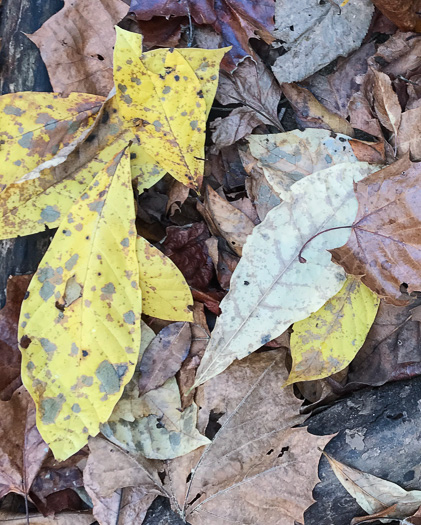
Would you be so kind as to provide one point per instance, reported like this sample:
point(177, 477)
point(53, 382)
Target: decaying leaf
point(164, 356)
point(22, 449)
point(78, 56)
point(42, 197)
point(404, 14)
point(109, 471)
point(271, 288)
point(260, 473)
point(10, 357)
point(374, 494)
point(310, 113)
point(76, 371)
point(236, 20)
point(232, 224)
point(328, 340)
point(288, 157)
point(408, 138)
point(386, 103)
point(384, 246)
point(318, 31)
point(64, 518)
point(165, 293)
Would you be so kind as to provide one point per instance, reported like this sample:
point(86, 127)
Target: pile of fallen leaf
point(204, 292)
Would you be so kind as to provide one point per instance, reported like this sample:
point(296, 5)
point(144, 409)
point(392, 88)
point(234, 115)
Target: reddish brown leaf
point(236, 20)
point(22, 450)
point(403, 13)
point(187, 248)
point(10, 356)
point(66, 499)
point(164, 356)
point(384, 247)
point(372, 152)
point(210, 299)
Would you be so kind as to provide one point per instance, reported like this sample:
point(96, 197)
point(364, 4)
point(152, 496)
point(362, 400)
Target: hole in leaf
point(188, 478)
point(100, 57)
point(283, 450)
point(213, 425)
point(194, 499)
point(269, 452)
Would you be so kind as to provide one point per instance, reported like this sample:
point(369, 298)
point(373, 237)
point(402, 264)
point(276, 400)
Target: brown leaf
point(78, 56)
point(257, 186)
point(311, 114)
point(66, 499)
point(65, 518)
point(391, 350)
point(210, 299)
point(403, 13)
point(109, 471)
point(177, 195)
point(10, 356)
point(384, 247)
point(255, 458)
point(236, 20)
point(186, 247)
point(409, 134)
point(386, 102)
point(164, 356)
point(232, 224)
point(372, 152)
point(22, 450)
point(253, 86)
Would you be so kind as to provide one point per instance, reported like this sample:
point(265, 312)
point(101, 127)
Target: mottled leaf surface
point(271, 288)
point(328, 340)
point(80, 325)
point(165, 293)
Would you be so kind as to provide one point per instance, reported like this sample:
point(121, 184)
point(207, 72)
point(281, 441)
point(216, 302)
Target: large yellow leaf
point(30, 203)
point(165, 293)
point(80, 325)
point(163, 98)
point(36, 126)
point(328, 340)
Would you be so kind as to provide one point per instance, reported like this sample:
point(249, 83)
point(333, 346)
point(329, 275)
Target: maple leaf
point(270, 288)
point(237, 21)
point(384, 246)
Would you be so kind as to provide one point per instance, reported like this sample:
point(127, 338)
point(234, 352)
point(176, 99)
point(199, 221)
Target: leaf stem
point(300, 256)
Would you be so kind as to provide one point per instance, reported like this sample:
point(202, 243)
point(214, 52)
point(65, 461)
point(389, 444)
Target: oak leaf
point(75, 370)
point(385, 243)
point(78, 57)
point(327, 341)
point(271, 288)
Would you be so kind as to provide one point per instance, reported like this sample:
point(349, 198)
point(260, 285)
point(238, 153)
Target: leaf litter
point(232, 271)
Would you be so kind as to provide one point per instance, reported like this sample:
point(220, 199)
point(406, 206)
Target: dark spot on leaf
point(91, 137)
point(85, 353)
point(105, 117)
point(25, 342)
point(133, 156)
point(246, 283)
point(26, 295)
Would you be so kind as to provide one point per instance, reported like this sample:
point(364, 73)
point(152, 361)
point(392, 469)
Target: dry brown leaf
point(405, 14)
point(109, 471)
point(177, 195)
point(386, 103)
point(384, 248)
point(257, 469)
point(164, 356)
point(78, 56)
point(239, 123)
point(372, 152)
point(257, 186)
point(311, 114)
point(409, 134)
point(232, 224)
point(10, 356)
point(22, 450)
point(64, 518)
point(374, 494)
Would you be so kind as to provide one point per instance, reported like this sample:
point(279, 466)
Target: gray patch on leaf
point(129, 317)
point(108, 288)
point(71, 262)
point(50, 214)
point(50, 408)
point(108, 377)
point(96, 206)
point(47, 290)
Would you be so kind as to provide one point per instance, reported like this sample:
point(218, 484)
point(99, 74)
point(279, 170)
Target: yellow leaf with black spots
point(328, 340)
point(79, 327)
point(165, 293)
point(163, 99)
point(36, 126)
point(34, 201)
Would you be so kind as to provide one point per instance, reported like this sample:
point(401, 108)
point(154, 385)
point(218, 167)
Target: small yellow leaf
point(163, 99)
point(328, 340)
point(29, 204)
point(79, 327)
point(35, 126)
point(165, 293)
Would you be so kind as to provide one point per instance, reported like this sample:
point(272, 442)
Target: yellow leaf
point(79, 328)
point(165, 293)
point(35, 126)
point(144, 169)
point(30, 203)
point(328, 340)
point(163, 99)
